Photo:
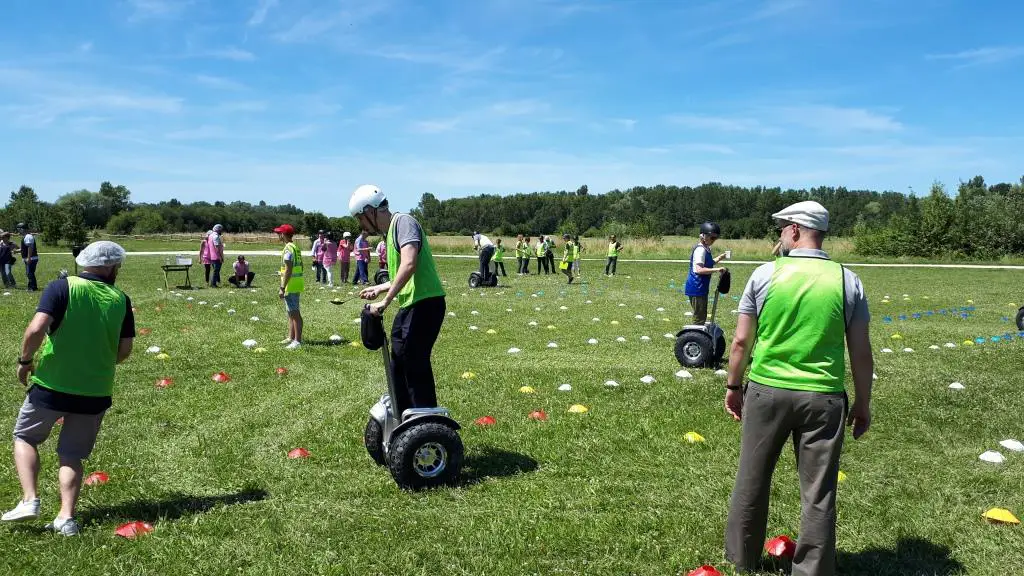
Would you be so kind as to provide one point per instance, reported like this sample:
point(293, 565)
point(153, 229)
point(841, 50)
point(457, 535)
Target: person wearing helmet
point(485, 247)
point(83, 328)
point(702, 266)
point(415, 285)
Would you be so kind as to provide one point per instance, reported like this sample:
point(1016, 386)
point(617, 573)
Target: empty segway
point(476, 280)
point(381, 276)
point(420, 446)
point(703, 345)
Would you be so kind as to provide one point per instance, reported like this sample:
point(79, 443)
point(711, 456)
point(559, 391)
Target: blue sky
point(302, 100)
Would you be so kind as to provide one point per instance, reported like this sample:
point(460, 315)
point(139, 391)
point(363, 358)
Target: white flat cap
point(102, 253)
point(808, 214)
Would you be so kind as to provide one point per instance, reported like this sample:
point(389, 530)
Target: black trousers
point(412, 340)
point(519, 264)
point(485, 261)
point(234, 280)
point(208, 268)
point(542, 262)
point(526, 266)
point(500, 265)
point(609, 268)
point(551, 261)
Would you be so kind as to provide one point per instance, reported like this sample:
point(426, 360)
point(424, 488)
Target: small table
point(177, 268)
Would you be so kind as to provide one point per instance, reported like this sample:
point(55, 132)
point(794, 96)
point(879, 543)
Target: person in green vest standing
point(85, 327)
point(499, 255)
point(415, 285)
point(293, 283)
point(613, 255)
point(797, 313)
point(568, 257)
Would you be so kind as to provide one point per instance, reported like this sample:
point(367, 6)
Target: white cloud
point(260, 14)
point(716, 123)
point(981, 56)
point(294, 134)
point(435, 126)
point(232, 53)
point(219, 82)
point(839, 119)
point(626, 123)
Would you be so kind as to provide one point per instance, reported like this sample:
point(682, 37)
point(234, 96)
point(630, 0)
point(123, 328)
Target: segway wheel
point(380, 277)
point(719, 350)
point(1020, 319)
point(426, 455)
point(693, 350)
point(474, 280)
point(373, 439)
point(493, 280)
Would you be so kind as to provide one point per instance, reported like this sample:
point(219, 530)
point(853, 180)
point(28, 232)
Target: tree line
point(980, 221)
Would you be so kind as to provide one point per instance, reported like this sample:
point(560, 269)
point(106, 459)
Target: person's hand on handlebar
point(370, 293)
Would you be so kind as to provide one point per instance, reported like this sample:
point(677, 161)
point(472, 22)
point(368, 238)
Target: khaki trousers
point(815, 421)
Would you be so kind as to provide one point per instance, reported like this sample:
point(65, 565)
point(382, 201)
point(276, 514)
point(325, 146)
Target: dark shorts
point(77, 434)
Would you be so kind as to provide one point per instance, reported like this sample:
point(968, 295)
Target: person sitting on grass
point(85, 327)
point(243, 277)
point(292, 285)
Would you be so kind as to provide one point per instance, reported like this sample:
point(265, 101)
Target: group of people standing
point(29, 255)
point(328, 251)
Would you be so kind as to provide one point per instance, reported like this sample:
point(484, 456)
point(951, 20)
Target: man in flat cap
point(801, 310)
point(82, 329)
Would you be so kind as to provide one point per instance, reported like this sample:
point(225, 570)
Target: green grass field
point(614, 491)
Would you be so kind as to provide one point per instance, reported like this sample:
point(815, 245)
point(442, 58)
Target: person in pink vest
point(345, 255)
point(382, 254)
point(204, 255)
point(330, 257)
point(318, 255)
point(243, 277)
point(216, 253)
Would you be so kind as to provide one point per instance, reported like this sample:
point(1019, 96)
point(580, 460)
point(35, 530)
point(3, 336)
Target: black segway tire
point(427, 455)
point(1020, 318)
point(373, 439)
point(474, 280)
point(380, 277)
point(493, 280)
point(693, 349)
point(719, 350)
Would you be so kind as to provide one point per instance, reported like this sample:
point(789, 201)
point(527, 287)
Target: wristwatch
point(737, 387)
point(24, 362)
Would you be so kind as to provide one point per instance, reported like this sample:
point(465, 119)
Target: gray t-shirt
point(752, 301)
point(407, 231)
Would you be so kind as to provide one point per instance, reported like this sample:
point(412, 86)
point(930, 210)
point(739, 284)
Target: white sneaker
point(63, 526)
point(23, 511)
point(294, 345)
point(286, 341)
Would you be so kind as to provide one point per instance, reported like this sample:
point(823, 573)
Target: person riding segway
point(407, 431)
point(485, 247)
point(702, 266)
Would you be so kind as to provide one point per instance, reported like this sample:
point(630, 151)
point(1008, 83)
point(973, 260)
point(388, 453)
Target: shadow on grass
point(494, 463)
point(170, 507)
point(910, 557)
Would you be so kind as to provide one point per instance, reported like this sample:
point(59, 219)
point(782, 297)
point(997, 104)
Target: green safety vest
point(425, 283)
point(541, 249)
point(801, 330)
point(612, 249)
point(499, 253)
point(576, 251)
point(296, 284)
point(80, 357)
point(569, 253)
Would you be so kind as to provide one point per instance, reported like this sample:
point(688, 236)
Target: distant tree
point(119, 197)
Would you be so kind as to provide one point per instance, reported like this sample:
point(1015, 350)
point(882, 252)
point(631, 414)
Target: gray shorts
point(291, 302)
point(77, 434)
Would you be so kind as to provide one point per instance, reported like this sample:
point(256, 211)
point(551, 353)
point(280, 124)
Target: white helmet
point(365, 196)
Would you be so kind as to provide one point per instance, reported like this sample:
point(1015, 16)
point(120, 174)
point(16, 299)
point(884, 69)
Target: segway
point(422, 448)
point(1020, 318)
point(381, 276)
point(476, 281)
point(703, 345)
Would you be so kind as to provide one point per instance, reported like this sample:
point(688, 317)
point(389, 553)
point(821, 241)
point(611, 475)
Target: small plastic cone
point(1001, 515)
point(298, 453)
point(133, 529)
point(97, 478)
point(781, 547)
point(485, 421)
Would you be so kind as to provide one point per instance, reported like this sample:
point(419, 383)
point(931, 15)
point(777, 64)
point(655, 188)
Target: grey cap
point(218, 228)
point(102, 253)
point(808, 214)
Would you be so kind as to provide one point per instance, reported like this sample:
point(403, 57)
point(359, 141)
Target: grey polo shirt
point(752, 301)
